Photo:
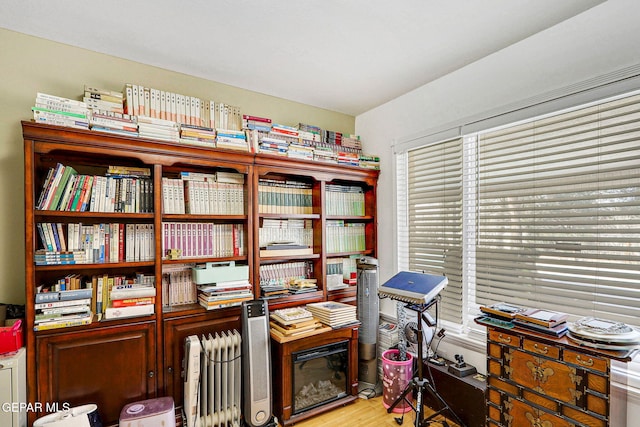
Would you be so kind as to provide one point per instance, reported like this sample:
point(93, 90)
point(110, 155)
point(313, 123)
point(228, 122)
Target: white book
point(133, 311)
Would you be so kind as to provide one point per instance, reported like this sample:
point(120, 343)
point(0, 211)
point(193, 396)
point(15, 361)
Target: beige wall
point(29, 65)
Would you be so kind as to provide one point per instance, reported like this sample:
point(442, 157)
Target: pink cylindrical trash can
point(396, 375)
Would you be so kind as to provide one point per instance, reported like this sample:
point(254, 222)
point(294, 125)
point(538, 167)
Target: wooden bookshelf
point(112, 363)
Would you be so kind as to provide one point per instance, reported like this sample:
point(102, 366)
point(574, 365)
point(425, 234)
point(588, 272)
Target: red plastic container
point(11, 337)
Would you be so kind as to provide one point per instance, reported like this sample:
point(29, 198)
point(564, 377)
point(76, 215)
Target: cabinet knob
point(151, 374)
point(170, 369)
point(1, 367)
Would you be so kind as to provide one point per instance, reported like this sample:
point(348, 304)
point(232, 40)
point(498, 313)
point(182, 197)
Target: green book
point(62, 185)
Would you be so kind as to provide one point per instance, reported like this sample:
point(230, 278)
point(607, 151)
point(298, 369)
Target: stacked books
point(224, 294)
point(544, 321)
point(62, 309)
point(322, 153)
point(99, 99)
point(231, 139)
point(300, 150)
point(155, 128)
point(291, 322)
point(368, 161)
point(334, 314)
point(275, 279)
point(285, 249)
point(110, 122)
point(262, 124)
point(272, 145)
point(348, 158)
point(197, 135)
point(335, 268)
point(604, 334)
point(131, 300)
point(309, 132)
point(303, 286)
point(56, 110)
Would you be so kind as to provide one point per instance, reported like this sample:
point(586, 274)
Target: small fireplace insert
point(319, 375)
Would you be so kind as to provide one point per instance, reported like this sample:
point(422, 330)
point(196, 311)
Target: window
point(434, 212)
point(551, 213)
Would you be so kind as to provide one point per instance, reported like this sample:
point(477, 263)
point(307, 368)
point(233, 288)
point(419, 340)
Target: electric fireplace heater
point(320, 375)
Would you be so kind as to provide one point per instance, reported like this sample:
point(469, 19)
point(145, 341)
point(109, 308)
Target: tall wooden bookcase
point(115, 362)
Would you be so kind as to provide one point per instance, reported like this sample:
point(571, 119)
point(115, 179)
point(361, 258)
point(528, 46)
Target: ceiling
point(346, 56)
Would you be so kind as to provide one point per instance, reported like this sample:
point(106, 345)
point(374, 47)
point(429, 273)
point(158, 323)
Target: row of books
point(209, 197)
point(547, 322)
point(178, 287)
point(224, 294)
point(65, 189)
point(106, 296)
point(299, 231)
point(95, 243)
point(345, 236)
point(202, 240)
point(276, 279)
point(184, 109)
point(284, 197)
point(345, 200)
point(193, 121)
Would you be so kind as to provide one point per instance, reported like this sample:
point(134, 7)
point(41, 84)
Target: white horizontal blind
point(559, 213)
point(435, 218)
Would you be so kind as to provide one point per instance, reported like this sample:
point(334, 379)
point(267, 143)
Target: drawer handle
point(543, 350)
point(584, 362)
point(503, 339)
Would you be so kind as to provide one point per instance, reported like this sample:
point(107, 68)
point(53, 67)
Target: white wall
point(598, 42)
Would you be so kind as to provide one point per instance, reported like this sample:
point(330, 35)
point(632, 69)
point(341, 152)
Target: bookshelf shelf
point(155, 341)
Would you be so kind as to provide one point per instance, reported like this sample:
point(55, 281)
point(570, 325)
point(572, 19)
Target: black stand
point(419, 385)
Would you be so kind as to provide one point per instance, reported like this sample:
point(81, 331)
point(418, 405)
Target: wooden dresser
point(539, 381)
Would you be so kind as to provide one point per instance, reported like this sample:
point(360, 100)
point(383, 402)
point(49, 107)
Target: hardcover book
point(546, 318)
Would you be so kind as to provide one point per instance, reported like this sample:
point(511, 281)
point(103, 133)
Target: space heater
point(368, 313)
point(212, 387)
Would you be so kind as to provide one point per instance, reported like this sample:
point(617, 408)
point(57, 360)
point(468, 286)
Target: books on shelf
point(178, 287)
point(284, 197)
point(345, 236)
point(290, 251)
point(345, 200)
point(131, 311)
point(202, 240)
point(276, 279)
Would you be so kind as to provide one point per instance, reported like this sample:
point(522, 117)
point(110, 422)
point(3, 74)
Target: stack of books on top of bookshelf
point(63, 308)
point(334, 314)
point(224, 294)
point(60, 111)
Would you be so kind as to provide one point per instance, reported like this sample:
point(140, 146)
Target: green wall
point(29, 65)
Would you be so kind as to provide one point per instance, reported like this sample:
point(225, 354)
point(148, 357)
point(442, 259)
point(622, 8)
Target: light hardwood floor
point(364, 413)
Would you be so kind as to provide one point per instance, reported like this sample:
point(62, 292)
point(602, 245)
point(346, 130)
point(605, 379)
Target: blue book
point(416, 288)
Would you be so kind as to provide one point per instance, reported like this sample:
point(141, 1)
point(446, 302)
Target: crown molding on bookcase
point(609, 85)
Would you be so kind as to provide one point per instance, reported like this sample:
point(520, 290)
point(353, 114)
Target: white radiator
point(218, 384)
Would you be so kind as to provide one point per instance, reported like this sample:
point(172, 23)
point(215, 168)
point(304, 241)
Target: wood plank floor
point(365, 413)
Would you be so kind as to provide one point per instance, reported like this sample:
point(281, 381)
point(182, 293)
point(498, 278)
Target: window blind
point(558, 212)
point(434, 208)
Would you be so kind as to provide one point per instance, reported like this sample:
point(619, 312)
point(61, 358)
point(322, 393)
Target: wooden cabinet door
point(108, 366)
point(176, 330)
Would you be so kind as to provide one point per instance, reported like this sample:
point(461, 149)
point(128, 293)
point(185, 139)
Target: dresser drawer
point(541, 348)
point(586, 361)
point(504, 338)
point(583, 419)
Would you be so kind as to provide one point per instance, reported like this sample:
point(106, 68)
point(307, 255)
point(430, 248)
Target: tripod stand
point(419, 385)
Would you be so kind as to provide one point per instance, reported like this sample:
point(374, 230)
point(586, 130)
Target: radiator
point(219, 390)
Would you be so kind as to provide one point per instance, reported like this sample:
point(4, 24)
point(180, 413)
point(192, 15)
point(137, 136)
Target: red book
point(130, 302)
point(256, 118)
